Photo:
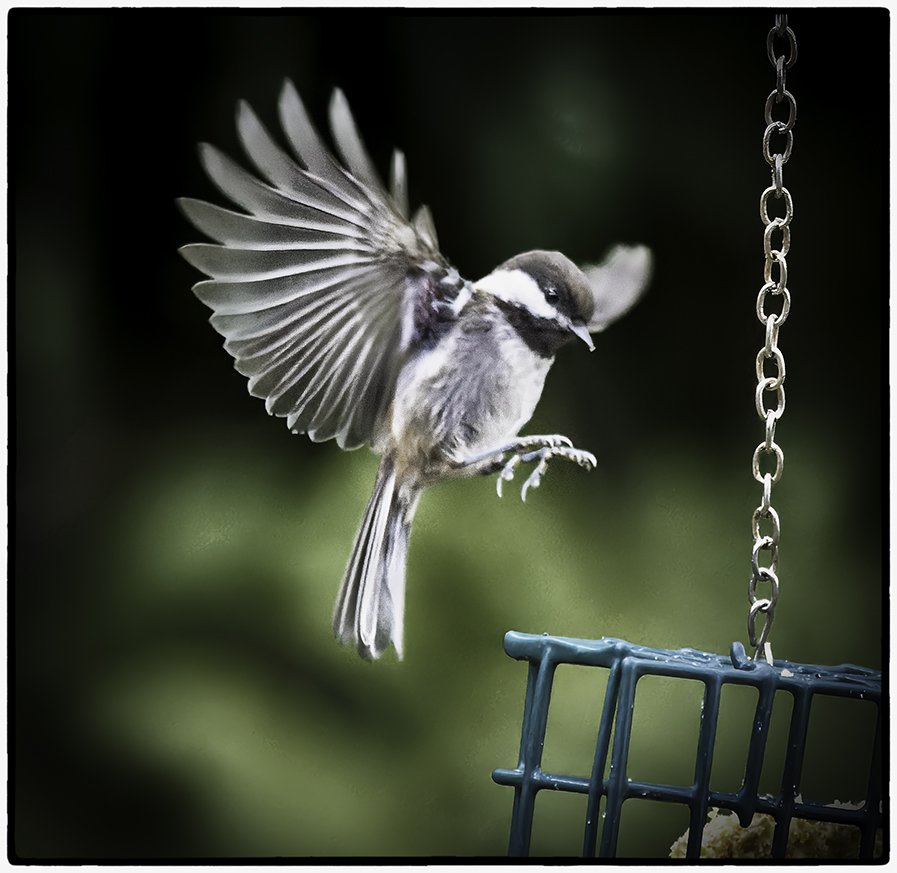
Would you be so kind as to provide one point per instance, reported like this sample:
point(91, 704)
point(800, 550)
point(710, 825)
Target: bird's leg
point(517, 445)
point(568, 453)
point(526, 450)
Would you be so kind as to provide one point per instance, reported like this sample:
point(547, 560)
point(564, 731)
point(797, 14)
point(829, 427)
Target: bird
point(337, 305)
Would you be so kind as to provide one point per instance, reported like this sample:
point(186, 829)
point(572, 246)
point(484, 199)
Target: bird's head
point(544, 294)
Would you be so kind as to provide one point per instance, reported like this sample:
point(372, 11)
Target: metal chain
point(776, 244)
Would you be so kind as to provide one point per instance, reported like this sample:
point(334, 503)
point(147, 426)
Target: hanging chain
point(771, 385)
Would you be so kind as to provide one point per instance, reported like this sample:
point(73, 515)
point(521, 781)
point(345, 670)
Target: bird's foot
point(563, 450)
point(517, 445)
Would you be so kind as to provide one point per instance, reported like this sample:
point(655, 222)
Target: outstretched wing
point(321, 284)
point(617, 283)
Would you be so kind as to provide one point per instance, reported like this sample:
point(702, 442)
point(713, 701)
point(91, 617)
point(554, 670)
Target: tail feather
point(371, 589)
point(370, 606)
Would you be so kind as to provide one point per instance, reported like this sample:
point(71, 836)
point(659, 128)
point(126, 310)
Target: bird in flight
point(337, 305)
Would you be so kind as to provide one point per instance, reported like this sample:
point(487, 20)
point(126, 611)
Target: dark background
point(175, 687)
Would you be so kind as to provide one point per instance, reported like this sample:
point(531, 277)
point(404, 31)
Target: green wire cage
point(608, 785)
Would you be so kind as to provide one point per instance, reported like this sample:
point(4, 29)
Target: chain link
point(770, 360)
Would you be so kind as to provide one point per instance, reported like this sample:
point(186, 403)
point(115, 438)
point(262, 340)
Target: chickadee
point(349, 323)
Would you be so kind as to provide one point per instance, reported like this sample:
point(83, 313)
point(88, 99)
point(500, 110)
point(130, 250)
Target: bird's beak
point(582, 331)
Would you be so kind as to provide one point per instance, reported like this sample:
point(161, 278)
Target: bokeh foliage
point(177, 691)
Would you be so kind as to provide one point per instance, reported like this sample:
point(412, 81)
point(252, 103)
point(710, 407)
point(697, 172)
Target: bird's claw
point(507, 472)
point(551, 441)
point(535, 478)
point(562, 448)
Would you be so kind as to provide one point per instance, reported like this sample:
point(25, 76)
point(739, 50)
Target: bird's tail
point(370, 606)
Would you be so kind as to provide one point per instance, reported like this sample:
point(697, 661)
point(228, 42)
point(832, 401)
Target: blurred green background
point(177, 691)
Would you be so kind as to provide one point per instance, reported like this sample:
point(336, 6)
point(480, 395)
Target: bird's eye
point(551, 293)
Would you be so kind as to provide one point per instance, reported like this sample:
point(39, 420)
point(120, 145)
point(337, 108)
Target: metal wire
point(776, 245)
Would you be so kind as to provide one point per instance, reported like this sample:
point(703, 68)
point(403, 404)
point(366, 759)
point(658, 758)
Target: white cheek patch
point(519, 288)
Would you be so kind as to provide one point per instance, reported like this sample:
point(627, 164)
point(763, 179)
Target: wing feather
point(398, 183)
point(249, 265)
point(348, 362)
point(313, 285)
point(618, 283)
point(295, 395)
point(284, 173)
point(423, 224)
point(252, 353)
point(235, 298)
point(265, 202)
point(248, 232)
point(349, 144)
point(305, 142)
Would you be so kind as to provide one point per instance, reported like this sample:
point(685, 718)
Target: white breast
point(469, 394)
point(526, 372)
